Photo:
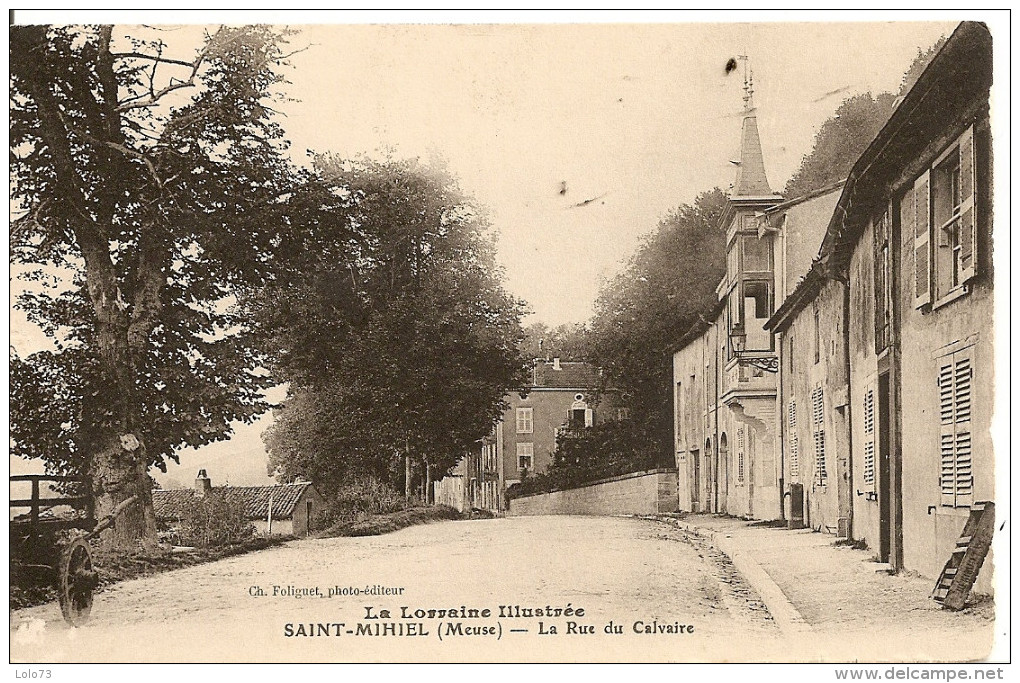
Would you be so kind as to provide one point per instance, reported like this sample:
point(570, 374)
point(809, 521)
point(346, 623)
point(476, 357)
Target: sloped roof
point(171, 503)
point(571, 375)
point(751, 180)
point(959, 73)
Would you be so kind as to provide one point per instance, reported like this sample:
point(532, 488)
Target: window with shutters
point(869, 439)
point(740, 456)
point(818, 335)
point(793, 445)
point(955, 382)
point(818, 435)
point(525, 456)
point(883, 282)
point(525, 420)
point(945, 225)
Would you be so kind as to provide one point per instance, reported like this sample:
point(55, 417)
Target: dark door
point(884, 462)
point(695, 484)
point(724, 471)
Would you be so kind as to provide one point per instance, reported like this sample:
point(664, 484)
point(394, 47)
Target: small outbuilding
point(275, 510)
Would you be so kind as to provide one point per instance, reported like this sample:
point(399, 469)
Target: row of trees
point(390, 326)
point(188, 266)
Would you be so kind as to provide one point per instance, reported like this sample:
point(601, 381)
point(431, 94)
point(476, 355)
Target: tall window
point(757, 309)
point(525, 420)
point(818, 434)
point(883, 282)
point(945, 224)
point(818, 336)
point(793, 441)
point(955, 379)
point(757, 254)
point(740, 456)
point(525, 456)
point(869, 438)
point(749, 300)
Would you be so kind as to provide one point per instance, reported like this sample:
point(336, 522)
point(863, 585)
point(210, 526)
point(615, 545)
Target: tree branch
point(156, 96)
point(155, 58)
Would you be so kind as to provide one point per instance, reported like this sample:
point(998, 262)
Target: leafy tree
point(917, 66)
point(642, 313)
point(153, 183)
point(390, 325)
point(847, 133)
point(840, 142)
point(566, 341)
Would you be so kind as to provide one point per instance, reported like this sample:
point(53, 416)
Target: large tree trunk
point(118, 462)
point(112, 442)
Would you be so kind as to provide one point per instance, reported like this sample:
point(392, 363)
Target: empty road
point(518, 589)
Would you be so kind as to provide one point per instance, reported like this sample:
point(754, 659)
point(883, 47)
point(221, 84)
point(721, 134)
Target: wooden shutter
point(869, 438)
point(947, 432)
point(968, 216)
point(793, 441)
point(589, 417)
point(922, 240)
point(962, 383)
point(955, 381)
point(818, 429)
point(740, 455)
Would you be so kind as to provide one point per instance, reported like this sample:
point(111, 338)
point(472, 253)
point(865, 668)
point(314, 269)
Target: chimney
point(202, 483)
point(556, 363)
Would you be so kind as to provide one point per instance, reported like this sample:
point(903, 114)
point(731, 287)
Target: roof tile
point(171, 503)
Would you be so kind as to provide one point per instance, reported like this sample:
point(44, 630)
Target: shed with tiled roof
point(294, 506)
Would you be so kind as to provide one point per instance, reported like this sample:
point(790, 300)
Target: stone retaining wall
point(639, 493)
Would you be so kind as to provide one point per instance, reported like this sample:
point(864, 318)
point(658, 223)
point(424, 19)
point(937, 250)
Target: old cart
point(47, 549)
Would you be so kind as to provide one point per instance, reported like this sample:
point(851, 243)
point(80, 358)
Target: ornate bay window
point(750, 298)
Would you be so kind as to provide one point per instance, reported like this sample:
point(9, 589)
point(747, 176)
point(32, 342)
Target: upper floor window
point(525, 420)
point(883, 281)
point(818, 336)
point(757, 253)
point(945, 224)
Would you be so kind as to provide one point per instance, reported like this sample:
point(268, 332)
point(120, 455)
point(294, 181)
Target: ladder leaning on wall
point(961, 570)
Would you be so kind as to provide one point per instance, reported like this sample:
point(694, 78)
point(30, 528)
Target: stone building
point(561, 394)
point(908, 250)
point(728, 448)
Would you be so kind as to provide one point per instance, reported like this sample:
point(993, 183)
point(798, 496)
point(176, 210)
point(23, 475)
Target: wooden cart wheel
point(76, 582)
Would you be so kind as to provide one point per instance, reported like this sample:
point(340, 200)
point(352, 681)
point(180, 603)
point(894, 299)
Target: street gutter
point(787, 618)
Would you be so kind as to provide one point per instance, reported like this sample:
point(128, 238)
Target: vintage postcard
point(495, 337)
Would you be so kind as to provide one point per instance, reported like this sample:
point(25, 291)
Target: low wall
point(639, 493)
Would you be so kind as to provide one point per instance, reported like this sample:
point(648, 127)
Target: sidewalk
point(840, 602)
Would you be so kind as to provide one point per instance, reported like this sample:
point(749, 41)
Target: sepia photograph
point(510, 337)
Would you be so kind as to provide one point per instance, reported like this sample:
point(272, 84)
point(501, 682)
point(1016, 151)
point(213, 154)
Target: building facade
point(561, 394)
point(909, 249)
point(725, 370)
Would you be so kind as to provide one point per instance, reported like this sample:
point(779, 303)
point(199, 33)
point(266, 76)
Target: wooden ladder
point(961, 570)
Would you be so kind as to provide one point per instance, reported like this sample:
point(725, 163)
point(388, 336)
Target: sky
point(641, 117)
point(637, 117)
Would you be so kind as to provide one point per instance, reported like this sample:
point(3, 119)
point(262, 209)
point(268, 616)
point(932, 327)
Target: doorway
point(711, 468)
point(695, 485)
point(724, 471)
point(884, 468)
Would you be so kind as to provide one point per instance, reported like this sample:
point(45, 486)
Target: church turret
point(751, 180)
point(750, 260)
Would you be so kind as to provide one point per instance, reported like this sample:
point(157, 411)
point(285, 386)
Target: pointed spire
point(751, 180)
